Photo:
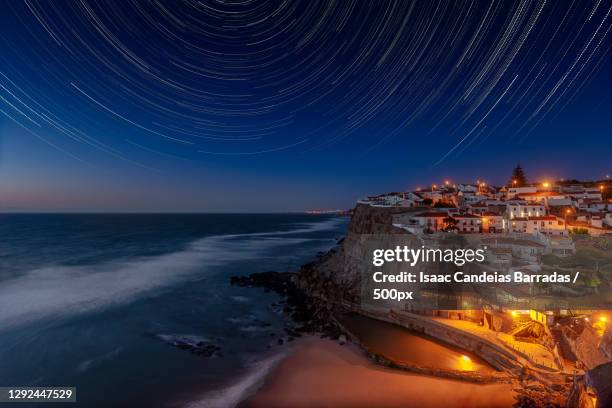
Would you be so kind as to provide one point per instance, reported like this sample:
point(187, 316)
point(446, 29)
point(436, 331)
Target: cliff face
point(606, 342)
point(335, 277)
point(374, 220)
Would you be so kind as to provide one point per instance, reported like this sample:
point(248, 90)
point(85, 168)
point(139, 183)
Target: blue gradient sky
point(245, 107)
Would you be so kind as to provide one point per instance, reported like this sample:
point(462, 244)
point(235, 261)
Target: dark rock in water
point(279, 282)
point(599, 380)
point(194, 344)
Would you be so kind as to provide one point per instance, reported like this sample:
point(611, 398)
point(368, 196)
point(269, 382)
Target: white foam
point(246, 385)
point(86, 364)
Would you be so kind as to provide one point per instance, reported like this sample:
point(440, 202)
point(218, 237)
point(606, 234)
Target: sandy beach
point(323, 373)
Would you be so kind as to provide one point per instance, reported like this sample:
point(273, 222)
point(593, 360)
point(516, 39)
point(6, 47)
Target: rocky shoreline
point(326, 288)
point(307, 315)
point(329, 286)
point(313, 316)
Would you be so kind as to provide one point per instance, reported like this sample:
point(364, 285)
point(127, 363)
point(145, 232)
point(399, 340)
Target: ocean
point(95, 302)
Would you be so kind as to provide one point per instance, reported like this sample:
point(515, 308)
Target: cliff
point(334, 278)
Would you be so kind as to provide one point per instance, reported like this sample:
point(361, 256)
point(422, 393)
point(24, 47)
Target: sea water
point(95, 301)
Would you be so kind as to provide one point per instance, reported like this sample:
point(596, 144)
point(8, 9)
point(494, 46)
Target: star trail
point(229, 80)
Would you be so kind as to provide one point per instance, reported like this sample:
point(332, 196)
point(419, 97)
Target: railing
point(543, 362)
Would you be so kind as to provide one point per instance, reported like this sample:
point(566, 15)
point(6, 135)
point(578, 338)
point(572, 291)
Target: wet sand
point(322, 373)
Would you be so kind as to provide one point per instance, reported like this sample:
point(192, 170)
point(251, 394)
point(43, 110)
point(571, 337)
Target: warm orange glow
point(514, 182)
point(513, 313)
point(568, 211)
point(434, 187)
point(447, 182)
point(546, 184)
point(601, 187)
point(603, 319)
point(465, 363)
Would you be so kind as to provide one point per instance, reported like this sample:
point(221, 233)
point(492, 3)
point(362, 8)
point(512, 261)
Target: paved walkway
point(534, 355)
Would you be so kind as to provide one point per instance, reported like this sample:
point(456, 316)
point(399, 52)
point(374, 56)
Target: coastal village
point(546, 208)
point(552, 340)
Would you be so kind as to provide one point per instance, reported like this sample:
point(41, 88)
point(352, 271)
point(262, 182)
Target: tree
point(450, 224)
point(442, 204)
point(518, 177)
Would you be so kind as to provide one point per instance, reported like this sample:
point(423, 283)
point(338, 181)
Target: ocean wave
point(87, 364)
point(245, 386)
point(67, 290)
point(240, 299)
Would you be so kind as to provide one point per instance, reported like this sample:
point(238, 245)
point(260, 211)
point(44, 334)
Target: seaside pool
point(403, 345)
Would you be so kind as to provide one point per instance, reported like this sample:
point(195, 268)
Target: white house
point(521, 248)
point(540, 196)
point(467, 188)
point(521, 209)
point(468, 223)
point(417, 222)
point(514, 191)
point(560, 202)
point(561, 246)
point(493, 222)
point(548, 224)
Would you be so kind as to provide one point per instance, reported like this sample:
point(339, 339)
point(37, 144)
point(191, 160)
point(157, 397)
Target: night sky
point(289, 105)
